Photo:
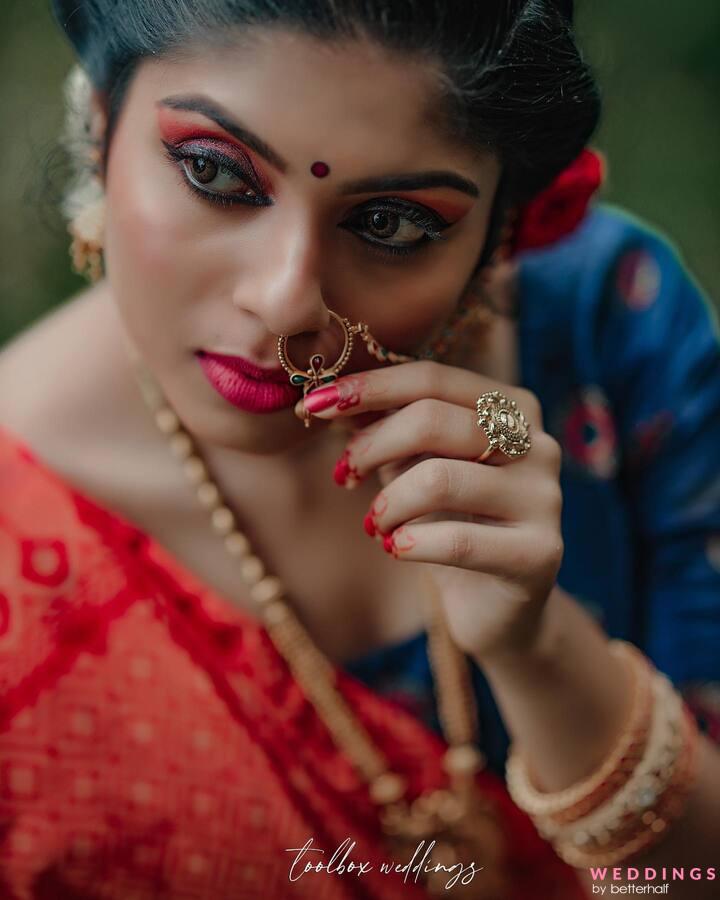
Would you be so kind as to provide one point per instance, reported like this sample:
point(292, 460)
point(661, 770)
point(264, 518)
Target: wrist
point(533, 642)
point(564, 697)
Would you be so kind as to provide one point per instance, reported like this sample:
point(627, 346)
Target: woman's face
point(222, 233)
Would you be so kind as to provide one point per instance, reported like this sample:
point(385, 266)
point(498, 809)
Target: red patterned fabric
point(153, 743)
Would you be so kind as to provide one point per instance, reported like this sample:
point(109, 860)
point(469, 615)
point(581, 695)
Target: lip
point(240, 364)
point(247, 386)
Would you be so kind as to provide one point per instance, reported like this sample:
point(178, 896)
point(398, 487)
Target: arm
point(565, 699)
point(564, 703)
point(492, 532)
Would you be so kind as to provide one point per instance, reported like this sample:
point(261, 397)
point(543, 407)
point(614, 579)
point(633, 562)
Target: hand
point(489, 533)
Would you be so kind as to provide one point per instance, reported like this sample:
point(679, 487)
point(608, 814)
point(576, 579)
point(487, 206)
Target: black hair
point(514, 79)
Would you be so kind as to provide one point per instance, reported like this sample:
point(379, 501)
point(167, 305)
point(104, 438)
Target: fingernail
point(345, 474)
point(322, 398)
point(369, 525)
point(340, 473)
point(388, 545)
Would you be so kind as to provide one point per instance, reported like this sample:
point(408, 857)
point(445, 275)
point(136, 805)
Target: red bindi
point(320, 169)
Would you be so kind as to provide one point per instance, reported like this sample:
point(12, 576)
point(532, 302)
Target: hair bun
point(82, 21)
point(72, 17)
point(566, 8)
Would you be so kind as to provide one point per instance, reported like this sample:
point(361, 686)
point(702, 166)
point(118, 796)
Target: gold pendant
point(445, 829)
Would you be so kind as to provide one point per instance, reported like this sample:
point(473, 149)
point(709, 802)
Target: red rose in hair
point(558, 209)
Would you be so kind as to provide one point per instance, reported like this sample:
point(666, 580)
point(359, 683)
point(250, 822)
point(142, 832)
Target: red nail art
point(345, 473)
point(341, 471)
point(352, 399)
point(369, 525)
point(379, 505)
point(348, 391)
point(322, 398)
point(402, 541)
point(388, 545)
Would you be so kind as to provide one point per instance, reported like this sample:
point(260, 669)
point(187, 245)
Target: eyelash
point(179, 155)
point(432, 223)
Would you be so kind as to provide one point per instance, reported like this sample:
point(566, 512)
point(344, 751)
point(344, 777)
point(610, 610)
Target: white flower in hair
point(84, 201)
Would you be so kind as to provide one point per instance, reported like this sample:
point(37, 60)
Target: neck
point(289, 482)
point(293, 481)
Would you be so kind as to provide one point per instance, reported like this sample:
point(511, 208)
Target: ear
point(97, 125)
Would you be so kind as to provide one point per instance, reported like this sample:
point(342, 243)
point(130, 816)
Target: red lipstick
point(247, 386)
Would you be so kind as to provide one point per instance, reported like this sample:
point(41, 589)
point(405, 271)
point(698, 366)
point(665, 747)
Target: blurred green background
point(658, 64)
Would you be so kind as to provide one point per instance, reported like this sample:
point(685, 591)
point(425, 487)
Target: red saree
point(153, 743)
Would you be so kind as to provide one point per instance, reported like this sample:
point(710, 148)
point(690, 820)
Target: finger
point(350, 425)
point(431, 427)
point(404, 438)
point(451, 486)
point(402, 384)
point(492, 549)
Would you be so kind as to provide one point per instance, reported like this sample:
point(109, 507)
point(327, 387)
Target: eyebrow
point(414, 181)
point(212, 110)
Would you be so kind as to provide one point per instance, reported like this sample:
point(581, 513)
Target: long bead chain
point(458, 808)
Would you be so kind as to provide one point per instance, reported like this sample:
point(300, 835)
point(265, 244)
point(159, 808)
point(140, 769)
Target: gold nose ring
point(317, 374)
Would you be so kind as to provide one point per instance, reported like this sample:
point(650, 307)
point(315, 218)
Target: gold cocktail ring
point(505, 427)
point(317, 375)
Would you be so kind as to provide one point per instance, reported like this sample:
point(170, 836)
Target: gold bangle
point(642, 787)
point(581, 798)
point(644, 829)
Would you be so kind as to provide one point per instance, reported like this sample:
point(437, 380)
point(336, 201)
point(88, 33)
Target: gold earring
point(87, 228)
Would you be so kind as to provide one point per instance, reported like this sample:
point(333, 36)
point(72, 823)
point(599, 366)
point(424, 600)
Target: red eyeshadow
point(177, 131)
point(451, 210)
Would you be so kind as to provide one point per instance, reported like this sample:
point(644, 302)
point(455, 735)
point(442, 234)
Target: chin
point(252, 433)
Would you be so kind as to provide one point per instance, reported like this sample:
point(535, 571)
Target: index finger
point(395, 387)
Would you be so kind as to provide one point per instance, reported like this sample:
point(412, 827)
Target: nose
point(282, 285)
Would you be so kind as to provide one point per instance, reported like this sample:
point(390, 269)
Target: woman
point(215, 683)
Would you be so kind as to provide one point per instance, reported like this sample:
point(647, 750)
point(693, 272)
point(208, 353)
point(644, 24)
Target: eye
point(216, 177)
point(386, 225)
point(206, 173)
point(396, 226)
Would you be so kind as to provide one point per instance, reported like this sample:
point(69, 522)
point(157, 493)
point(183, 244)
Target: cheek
point(413, 300)
point(144, 234)
point(156, 264)
point(404, 300)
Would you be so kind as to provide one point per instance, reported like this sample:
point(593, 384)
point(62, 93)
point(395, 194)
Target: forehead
point(348, 102)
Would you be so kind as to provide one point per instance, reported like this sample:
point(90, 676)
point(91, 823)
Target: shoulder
point(66, 386)
point(41, 370)
point(611, 253)
point(615, 278)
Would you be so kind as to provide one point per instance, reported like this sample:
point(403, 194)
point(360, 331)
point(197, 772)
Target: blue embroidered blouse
point(623, 350)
